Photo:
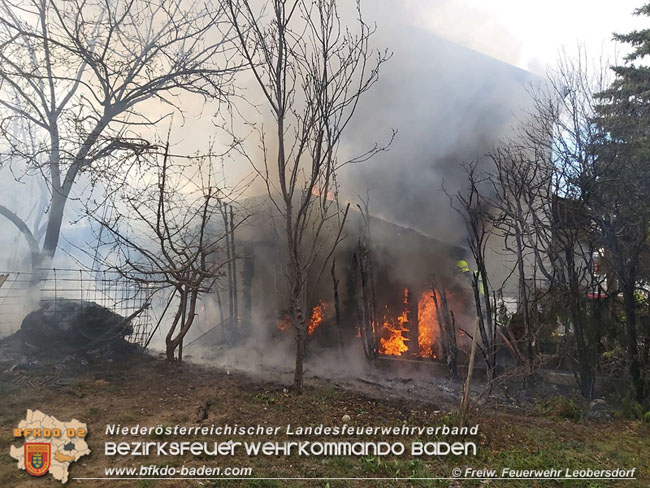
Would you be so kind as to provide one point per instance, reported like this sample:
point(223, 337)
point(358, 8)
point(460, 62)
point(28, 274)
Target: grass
point(551, 435)
point(561, 408)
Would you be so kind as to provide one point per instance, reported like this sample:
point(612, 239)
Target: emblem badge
point(37, 458)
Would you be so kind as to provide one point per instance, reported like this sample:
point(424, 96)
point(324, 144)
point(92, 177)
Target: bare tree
point(446, 318)
point(513, 181)
point(312, 70)
point(476, 211)
point(366, 303)
point(167, 232)
point(76, 76)
point(545, 186)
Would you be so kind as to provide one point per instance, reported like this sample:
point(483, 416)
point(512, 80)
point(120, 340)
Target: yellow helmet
point(462, 266)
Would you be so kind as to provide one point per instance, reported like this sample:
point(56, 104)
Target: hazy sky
point(525, 33)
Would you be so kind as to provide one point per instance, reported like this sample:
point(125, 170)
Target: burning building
point(455, 105)
point(391, 293)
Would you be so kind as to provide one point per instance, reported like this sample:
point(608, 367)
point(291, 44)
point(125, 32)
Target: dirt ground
point(148, 391)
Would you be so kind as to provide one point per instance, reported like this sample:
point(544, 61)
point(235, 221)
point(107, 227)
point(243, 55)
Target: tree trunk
point(234, 269)
point(186, 324)
point(585, 369)
point(229, 258)
point(464, 405)
point(337, 309)
point(183, 317)
point(367, 306)
point(523, 296)
point(248, 274)
point(42, 261)
point(586, 374)
point(53, 227)
point(301, 341)
point(629, 301)
point(180, 344)
point(170, 350)
point(298, 377)
point(297, 307)
point(170, 346)
point(488, 331)
point(449, 344)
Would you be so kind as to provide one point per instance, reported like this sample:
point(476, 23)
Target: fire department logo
point(50, 446)
point(37, 458)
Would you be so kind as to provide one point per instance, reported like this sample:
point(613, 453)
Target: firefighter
point(462, 268)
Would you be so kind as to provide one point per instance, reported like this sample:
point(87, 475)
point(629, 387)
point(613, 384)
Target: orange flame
point(317, 315)
point(428, 326)
point(284, 323)
point(316, 318)
point(318, 191)
point(396, 342)
point(394, 331)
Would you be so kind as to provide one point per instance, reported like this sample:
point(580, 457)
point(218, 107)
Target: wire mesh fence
point(58, 289)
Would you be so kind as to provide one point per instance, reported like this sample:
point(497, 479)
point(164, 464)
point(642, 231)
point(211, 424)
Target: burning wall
point(411, 330)
point(407, 321)
point(416, 330)
point(395, 331)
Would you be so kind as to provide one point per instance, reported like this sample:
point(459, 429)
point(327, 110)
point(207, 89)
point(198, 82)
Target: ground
point(148, 391)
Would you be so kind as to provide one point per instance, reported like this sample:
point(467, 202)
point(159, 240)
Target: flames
point(399, 330)
point(315, 319)
point(428, 325)
point(318, 191)
point(284, 324)
point(395, 331)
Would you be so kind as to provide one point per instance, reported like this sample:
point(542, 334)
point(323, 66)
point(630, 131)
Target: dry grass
point(150, 392)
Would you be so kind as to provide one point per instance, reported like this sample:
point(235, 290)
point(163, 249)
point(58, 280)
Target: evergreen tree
point(623, 181)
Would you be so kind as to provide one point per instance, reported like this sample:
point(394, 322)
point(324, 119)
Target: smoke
point(450, 104)
point(274, 358)
point(469, 23)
